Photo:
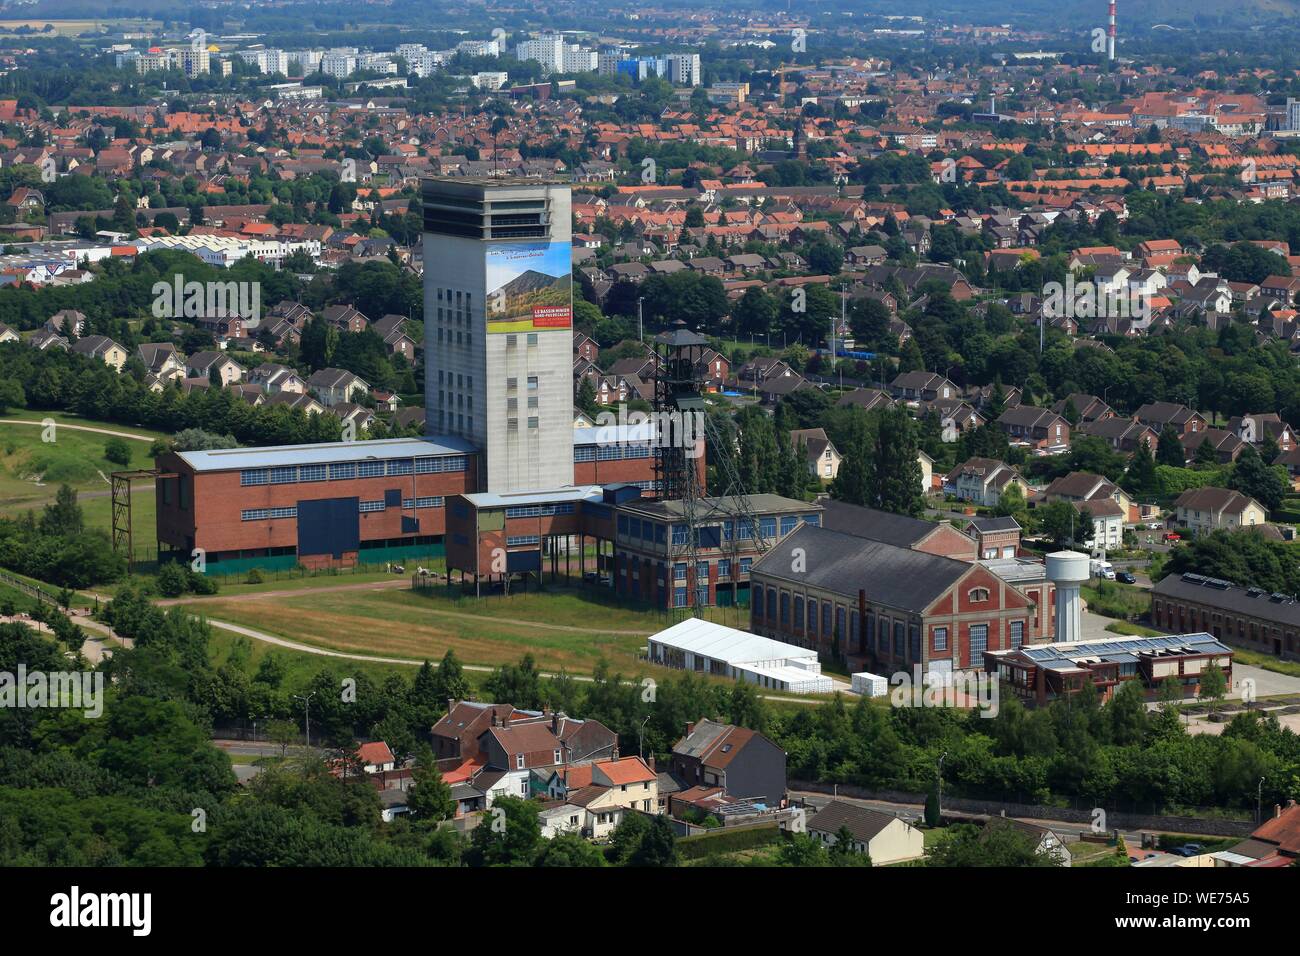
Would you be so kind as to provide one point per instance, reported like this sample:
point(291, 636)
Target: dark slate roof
point(862, 822)
point(891, 576)
point(990, 525)
point(1221, 594)
point(898, 530)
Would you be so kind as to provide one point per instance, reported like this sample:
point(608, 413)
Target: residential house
point(1156, 415)
point(1040, 429)
point(334, 386)
point(1209, 509)
point(983, 481)
point(743, 762)
point(201, 365)
point(882, 836)
point(162, 359)
point(820, 452)
point(102, 348)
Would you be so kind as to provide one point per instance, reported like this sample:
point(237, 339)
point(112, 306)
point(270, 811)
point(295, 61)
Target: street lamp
point(939, 780)
point(640, 321)
point(640, 744)
point(1259, 802)
point(306, 702)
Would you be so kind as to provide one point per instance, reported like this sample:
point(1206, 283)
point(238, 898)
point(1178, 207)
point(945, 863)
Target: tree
point(658, 846)
point(1140, 478)
point(63, 518)
point(11, 395)
point(998, 844)
point(869, 319)
point(1255, 479)
point(429, 800)
point(508, 835)
point(1205, 454)
point(1214, 686)
point(932, 806)
point(1057, 520)
point(117, 451)
point(1169, 449)
point(570, 849)
point(801, 850)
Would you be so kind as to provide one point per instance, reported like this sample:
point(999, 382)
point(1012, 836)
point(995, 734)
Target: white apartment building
point(548, 50)
point(578, 60)
point(684, 69)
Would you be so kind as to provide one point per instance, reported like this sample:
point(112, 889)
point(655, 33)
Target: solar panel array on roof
point(1123, 651)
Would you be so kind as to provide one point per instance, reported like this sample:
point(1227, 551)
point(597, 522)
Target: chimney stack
point(690, 727)
point(1110, 34)
point(451, 704)
point(555, 723)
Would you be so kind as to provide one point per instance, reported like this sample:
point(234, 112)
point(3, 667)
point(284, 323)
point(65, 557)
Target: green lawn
point(560, 630)
point(31, 471)
point(1113, 599)
point(300, 667)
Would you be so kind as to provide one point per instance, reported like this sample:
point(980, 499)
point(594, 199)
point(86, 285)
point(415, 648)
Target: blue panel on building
point(410, 525)
point(393, 498)
point(617, 494)
point(710, 537)
point(329, 526)
point(523, 561)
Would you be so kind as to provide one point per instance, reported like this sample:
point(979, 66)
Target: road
point(78, 428)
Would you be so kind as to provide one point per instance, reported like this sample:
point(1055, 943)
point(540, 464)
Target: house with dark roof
point(820, 453)
point(1156, 415)
point(983, 481)
point(882, 836)
point(1208, 509)
point(743, 762)
point(1039, 429)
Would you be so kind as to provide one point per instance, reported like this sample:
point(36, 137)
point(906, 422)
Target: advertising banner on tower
point(529, 287)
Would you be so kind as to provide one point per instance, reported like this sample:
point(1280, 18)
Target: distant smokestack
point(1110, 34)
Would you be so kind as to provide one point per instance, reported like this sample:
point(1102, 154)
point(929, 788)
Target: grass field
point(561, 630)
point(31, 470)
point(225, 647)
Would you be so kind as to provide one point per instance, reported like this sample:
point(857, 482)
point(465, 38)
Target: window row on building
point(343, 470)
point(612, 452)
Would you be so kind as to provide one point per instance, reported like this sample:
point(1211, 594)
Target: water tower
point(1068, 571)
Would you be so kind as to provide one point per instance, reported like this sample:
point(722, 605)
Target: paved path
point(77, 428)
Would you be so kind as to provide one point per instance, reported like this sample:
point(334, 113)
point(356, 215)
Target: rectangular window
point(343, 469)
point(284, 475)
point(370, 469)
point(521, 540)
point(1017, 633)
point(311, 473)
point(940, 638)
point(401, 466)
point(253, 476)
point(365, 506)
point(979, 643)
point(788, 523)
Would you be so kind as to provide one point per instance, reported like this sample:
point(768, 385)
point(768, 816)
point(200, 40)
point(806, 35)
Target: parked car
point(1170, 537)
point(1126, 577)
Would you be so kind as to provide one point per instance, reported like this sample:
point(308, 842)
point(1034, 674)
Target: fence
point(31, 590)
point(1126, 820)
